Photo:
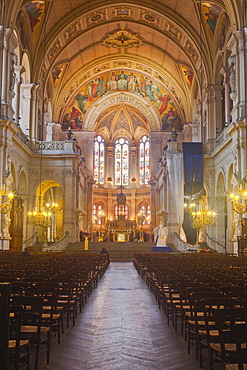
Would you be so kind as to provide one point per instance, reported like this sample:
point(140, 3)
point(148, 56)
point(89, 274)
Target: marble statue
point(162, 236)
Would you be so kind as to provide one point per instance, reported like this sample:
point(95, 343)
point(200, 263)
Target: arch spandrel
point(127, 98)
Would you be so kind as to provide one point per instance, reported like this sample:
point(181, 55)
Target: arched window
point(98, 214)
point(144, 214)
point(121, 211)
point(121, 162)
point(99, 159)
point(144, 160)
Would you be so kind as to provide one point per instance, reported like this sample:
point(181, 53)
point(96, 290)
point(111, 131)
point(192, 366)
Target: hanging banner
point(193, 170)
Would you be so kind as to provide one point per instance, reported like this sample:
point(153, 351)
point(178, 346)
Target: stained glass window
point(121, 162)
point(98, 214)
point(144, 160)
point(121, 210)
point(145, 214)
point(99, 158)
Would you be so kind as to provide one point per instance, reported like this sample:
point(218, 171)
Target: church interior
point(123, 125)
point(118, 118)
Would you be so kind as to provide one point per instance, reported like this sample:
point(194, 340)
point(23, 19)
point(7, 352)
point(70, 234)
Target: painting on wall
point(34, 11)
point(122, 80)
point(211, 14)
point(188, 75)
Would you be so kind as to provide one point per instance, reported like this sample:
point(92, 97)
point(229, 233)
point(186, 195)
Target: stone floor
point(121, 327)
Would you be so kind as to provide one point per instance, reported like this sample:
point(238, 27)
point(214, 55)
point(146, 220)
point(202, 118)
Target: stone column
point(226, 73)
point(241, 68)
point(70, 185)
point(33, 113)
point(16, 100)
point(89, 210)
point(4, 70)
point(26, 107)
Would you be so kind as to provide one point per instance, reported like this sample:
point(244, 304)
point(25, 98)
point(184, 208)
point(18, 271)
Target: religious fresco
point(211, 14)
point(122, 80)
point(34, 11)
point(56, 73)
point(188, 75)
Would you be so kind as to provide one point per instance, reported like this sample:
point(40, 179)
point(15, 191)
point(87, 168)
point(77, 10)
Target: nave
point(121, 327)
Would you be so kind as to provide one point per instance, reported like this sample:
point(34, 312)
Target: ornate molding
point(122, 39)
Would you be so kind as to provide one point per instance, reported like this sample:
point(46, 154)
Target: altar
point(121, 230)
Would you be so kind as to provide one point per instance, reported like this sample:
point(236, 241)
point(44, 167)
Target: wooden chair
point(225, 350)
point(210, 332)
point(51, 316)
point(19, 349)
point(32, 327)
point(241, 348)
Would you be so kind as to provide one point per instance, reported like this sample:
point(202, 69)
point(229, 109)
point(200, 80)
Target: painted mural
point(122, 80)
point(34, 11)
point(211, 14)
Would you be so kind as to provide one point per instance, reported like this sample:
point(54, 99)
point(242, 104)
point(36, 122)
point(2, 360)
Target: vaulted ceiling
point(171, 42)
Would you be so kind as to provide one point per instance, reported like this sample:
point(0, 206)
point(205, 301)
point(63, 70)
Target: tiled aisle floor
point(121, 327)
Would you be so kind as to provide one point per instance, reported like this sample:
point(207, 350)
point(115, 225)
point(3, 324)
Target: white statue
point(162, 236)
point(187, 132)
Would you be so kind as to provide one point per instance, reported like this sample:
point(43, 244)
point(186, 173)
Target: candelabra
point(202, 216)
point(141, 218)
point(239, 197)
point(5, 201)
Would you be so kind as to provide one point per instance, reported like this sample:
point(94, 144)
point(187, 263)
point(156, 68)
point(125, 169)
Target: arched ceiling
point(76, 41)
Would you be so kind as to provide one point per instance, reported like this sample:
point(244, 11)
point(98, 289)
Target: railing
point(215, 241)
point(222, 137)
point(60, 245)
point(55, 147)
point(28, 240)
point(181, 245)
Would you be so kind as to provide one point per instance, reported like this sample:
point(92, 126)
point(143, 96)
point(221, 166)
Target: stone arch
point(26, 75)
point(127, 98)
point(22, 183)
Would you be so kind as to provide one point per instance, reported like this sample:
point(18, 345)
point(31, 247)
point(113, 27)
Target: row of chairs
point(198, 296)
point(38, 305)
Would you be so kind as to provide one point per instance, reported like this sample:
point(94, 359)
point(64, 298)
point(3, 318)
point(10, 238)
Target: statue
point(187, 132)
point(162, 236)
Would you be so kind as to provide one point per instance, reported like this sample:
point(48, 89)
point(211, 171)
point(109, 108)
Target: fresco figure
point(165, 100)
point(148, 87)
point(93, 88)
point(80, 101)
point(189, 74)
point(142, 86)
point(171, 120)
point(112, 82)
point(132, 82)
point(34, 12)
point(122, 83)
point(99, 91)
point(155, 88)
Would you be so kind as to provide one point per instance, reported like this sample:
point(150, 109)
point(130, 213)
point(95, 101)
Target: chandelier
point(189, 207)
point(5, 201)
point(41, 216)
point(201, 215)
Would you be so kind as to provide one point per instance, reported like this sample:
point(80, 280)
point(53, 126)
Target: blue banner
point(193, 170)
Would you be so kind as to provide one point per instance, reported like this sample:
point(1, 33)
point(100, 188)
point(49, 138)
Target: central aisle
point(121, 327)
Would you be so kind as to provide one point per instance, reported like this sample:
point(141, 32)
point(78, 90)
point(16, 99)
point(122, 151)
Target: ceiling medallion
point(122, 39)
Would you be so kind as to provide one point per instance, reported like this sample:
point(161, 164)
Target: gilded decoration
point(122, 39)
